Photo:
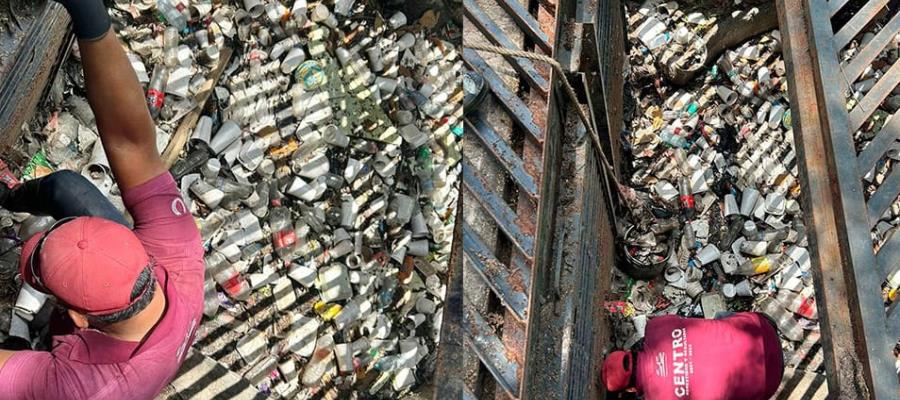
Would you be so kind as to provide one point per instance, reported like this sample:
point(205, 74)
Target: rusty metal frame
point(856, 333)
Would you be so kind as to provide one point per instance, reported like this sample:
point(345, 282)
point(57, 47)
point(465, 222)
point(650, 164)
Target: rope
point(607, 166)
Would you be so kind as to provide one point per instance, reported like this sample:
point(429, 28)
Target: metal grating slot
point(495, 275)
point(491, 352)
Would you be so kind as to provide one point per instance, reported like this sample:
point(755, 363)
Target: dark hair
point(143, 290)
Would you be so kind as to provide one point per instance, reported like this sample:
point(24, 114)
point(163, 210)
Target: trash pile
point(322, 173)
point(716, 224)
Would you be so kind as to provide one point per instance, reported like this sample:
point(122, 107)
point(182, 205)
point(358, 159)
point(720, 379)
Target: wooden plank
point(852, 28)
point(880, 145)
point(885, 196)
point(179, 139)
point(874, 98)
point(864, 58)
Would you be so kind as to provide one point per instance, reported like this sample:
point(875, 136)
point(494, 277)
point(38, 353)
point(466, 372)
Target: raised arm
point(116, 97)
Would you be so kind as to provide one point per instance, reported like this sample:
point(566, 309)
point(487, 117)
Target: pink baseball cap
point(616, 373)
point(89, 263)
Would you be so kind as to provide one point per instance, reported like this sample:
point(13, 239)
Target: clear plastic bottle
point(802, 304)
point(156, 92)
point(171, 39)
point(687, 198)
point(172, 12)
point(760, 265)
point(233, 283)
point(284, 238)
point(787, 324)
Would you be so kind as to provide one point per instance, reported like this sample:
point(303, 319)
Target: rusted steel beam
point(858, 346)
point(527, 23)
point(492, 32)
point(490, 351)
point(503, 153)
point(494, 273)
point(509, 100)
point(505, 218)
point(449, 370)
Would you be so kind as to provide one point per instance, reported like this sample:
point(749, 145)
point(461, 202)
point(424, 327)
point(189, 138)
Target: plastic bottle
point(172, 12)
point(284, 238)
point(687, 198)
point(672, 138)
point(156, 95)
point(233, 283)
point(426, 170)
point(787, 324)
point(170, 47)
point(802, 304)
point(758, 265)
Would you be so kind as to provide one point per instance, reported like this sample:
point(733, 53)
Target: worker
point(735, 357)
point(133, 297)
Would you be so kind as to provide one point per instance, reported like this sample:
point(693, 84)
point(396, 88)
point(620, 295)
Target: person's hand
point(90, 19)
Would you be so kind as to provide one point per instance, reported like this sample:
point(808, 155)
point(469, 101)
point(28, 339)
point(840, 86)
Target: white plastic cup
point(333, 136)
point(708, 254)
point(292, 60)
point(418, 248)
point(693, 289)
point(743, 288)
point(227, 134)
point(397, 20)
point(203, 130)
point(254, 7)
point(211, 169)
point(731, 206)
point(749, 228)
point(727, 95)
point(321, 14)
point(673, 274)
point(29, 301)
point(748, 201)
point(406, 41)
point(728, 290)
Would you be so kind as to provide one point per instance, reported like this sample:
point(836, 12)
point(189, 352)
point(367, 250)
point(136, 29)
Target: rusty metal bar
point(523, 66)
point(506, 219)
point(494, 273)
point(526, 23)
point(503, 154)
point(490, 351)
point(512, 103)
